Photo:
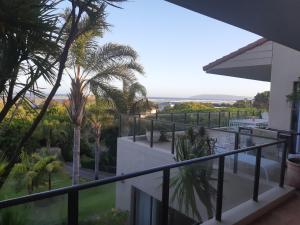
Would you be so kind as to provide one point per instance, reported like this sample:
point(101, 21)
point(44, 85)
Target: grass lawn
point(92, 203)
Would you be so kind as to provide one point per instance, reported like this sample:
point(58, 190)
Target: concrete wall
point(133, 157)
point(285, 70)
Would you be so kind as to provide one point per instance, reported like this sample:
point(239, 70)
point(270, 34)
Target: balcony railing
point(143, 129)
point(206, 119)
point(73, 192)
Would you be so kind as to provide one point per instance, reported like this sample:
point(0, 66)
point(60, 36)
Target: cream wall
point(285, 70)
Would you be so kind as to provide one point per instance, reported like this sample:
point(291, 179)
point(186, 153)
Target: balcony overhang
point(276, 20)
point(253, 61)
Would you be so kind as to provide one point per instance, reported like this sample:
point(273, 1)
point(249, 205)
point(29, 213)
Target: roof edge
point(238, 52)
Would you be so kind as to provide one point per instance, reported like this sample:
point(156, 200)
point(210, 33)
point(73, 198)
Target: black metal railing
point(206, 119)
point(73, 191)
point(140, 127)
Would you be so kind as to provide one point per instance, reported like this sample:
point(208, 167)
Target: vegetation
point(114, 216)
point(76, 110)
point(62, 29)
point(261, 100)
point(53, 211)
point(34, 170)
point(193, 183)
point(189, 107)
point(98, 116)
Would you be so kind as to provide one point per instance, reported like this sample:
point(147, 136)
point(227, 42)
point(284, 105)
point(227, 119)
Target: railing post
point(120, 125)
point(209, 120)
point(165, 197)
point(198, 119)
point(292, 144)
point(219, 198)
point(151, 134)
point(257, 174)
point(219, 119)
point(173, 138)
point(172, 117)
point(134, 128)
point(228, 118)
point(73, 208)
point(156, 115)
point(283, 164)
point(235, 157)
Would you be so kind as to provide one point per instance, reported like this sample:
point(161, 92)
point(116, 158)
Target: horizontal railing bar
point(179, 113)
point(217, 129)
point(92, 184)
point(236, 132)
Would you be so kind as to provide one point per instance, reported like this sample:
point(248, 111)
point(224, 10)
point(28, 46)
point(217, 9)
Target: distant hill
point(220, 97)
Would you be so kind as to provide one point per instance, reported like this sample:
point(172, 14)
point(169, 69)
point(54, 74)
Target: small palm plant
point(50, 164)
point(33, 170)
point(192, 183)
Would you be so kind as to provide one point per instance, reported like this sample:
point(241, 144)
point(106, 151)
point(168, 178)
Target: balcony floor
point(285, 214)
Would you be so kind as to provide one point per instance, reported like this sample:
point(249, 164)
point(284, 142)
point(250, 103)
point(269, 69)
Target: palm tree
point(135, 96)
point(95, 68)
point(82, 18)
point(98, 116)
point(192, 183)
point(76, 111)
point(54, 165)
point(31, 170)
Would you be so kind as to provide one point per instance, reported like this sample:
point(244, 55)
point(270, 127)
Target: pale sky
point(174, 44)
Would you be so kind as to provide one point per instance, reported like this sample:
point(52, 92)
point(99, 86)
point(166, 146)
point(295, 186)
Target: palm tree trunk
point(97, 158)
point(76, 155)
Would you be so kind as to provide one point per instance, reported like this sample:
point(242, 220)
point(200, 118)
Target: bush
point(87, 162)
point(113, 217)
point(13, 217)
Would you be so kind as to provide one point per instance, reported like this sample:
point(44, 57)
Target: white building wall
point(285, 70)
point(133, 157)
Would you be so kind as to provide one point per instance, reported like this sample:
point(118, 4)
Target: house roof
point(253, 62)
point(277, 20)
point(236, 53)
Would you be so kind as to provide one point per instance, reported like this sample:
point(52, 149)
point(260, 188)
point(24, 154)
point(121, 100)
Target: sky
point(174, 44)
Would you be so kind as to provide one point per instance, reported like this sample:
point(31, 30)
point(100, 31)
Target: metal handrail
point(184, 126)
point(207, 128)
point(73, 191)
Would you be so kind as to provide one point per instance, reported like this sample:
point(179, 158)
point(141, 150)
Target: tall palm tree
point(95, 68)
point(98, 116)
point(82, 18)
point(76, 111)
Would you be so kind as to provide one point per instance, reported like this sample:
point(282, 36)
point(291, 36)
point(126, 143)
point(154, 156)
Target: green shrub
point(13, 217)
point(113, 217)
point(87, 162)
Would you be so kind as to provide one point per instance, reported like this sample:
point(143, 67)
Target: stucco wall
point(285, 70)
point(133, 157)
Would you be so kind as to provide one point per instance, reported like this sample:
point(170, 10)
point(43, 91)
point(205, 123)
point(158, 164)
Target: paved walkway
point(87, 173)
point(285, 214)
